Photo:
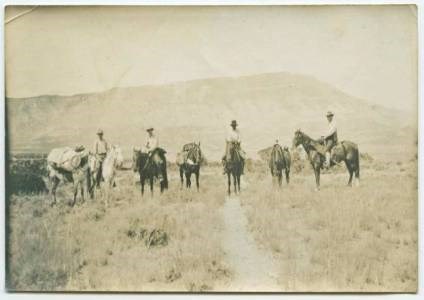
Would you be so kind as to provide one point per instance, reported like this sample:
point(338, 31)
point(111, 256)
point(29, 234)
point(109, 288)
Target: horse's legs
point(91, 182)
point(142, 180)
point(188, 179)
point(357, 169)
point(238, 182)
point(235, 182)
point(280, 178)
point(76, 186)
point(151, 185)
point(349, 168)
point(197, 173)
point(229, 183)
point(288, 176)
point(317, 175)
point(182, 176)
point(82, 192)
point(98, 176)
point(106, 193)
point(162, 185)
point(55, 183)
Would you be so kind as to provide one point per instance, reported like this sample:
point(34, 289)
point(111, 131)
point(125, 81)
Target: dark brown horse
point(190, 164)
point(280, 159)
point(233, 165)
point(345, 151)
point(148, 169)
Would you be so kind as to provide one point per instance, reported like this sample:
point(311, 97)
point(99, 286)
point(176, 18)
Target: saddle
point(237, 148)
point(157, 152)
point(319, 146)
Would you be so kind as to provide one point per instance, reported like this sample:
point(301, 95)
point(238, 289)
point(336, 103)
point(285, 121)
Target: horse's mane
point(306, 136)
point(311, 144)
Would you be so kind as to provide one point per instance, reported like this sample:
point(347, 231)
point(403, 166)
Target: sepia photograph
point(211, 149)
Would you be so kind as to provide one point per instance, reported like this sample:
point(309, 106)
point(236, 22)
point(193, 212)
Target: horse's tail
point(165, 178)
point(357, 162)
point(164, 175)
point(287, 158)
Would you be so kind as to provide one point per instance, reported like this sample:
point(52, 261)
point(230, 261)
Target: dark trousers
point(329, 144)
point(99, 177)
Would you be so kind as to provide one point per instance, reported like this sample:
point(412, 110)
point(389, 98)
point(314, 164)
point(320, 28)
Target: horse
point(344, 151)
point(113, 161)
point(233, 166)
point(148, 169)
point(280, 159)
point(79, 176)
point(190, 163)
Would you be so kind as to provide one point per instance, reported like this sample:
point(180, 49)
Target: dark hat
point(233, 123)
point(149, 129)
point(330, 114)
point(99, 131)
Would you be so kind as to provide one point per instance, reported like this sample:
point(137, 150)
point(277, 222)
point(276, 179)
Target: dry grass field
point(265, 239)
point(92, 247)
point(188, 72)
point(340, 239)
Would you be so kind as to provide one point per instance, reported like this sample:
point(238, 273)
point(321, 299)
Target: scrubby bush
point(26, 176)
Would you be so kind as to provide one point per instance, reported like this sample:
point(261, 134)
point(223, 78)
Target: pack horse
point(189, 162)
point(280, 160)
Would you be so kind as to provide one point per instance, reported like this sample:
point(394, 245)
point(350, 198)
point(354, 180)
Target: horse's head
point(139, 159)
point(116, 154)
point(298, 138)
point(233, 148)
point(135, 158)
point(92, 162)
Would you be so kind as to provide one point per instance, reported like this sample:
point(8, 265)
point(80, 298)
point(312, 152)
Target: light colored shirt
point(233, 135)
point(331, 128)
point(152, 143)
point(100, 147)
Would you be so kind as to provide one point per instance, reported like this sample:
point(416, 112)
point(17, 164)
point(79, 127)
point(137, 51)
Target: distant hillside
point(267, 106)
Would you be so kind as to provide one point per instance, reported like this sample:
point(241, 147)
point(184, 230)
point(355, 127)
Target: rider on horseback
point(152, 144)
point(330, 138)
point(101, 148)
point(233, 136)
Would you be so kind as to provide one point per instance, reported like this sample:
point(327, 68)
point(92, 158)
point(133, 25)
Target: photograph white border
point(5, 295)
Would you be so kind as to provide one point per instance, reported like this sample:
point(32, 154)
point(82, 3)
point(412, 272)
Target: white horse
point(114, 160)
point(78, 176)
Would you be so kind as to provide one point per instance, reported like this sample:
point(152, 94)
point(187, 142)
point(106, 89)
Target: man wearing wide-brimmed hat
point(233, 136)
point(330, 137)
point(100, 150)
point(151, 145)
point(152, 141)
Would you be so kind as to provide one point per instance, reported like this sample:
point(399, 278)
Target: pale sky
point(366, 51)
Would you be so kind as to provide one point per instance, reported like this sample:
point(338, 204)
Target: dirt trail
point(254, 268)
